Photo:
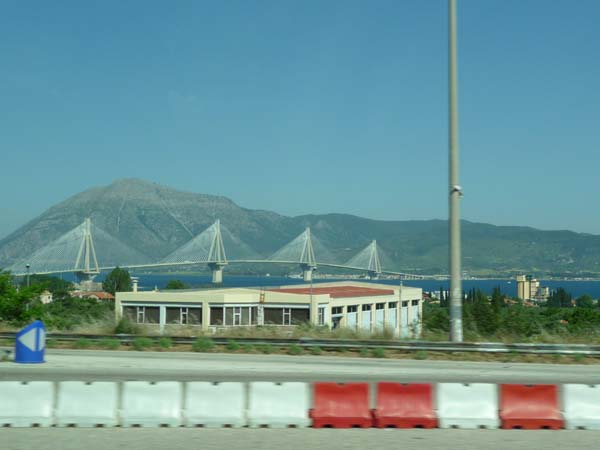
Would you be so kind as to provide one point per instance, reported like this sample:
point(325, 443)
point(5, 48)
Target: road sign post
point(30, 344)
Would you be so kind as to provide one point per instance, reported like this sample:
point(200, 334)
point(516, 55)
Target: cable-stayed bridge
point(87, 250)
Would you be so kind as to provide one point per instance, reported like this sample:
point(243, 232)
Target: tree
point(118, 280)
point(443, 298)
point(176, 284)
point(585, 301)
point(19, 306)
point(559, 299)
point(486, 318)
point(497, 299)
point(60, 288)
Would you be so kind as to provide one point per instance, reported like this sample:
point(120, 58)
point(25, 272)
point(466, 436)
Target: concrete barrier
point(530, 406)
point(467, 405)
point(26, 404)
point(278, 405)
point(87, 404)
point(215, 404)
point(149, 404)
point(581, 406)
point(341, 405)
point(404, 405)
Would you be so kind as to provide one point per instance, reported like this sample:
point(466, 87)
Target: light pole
point(27, 266)
point(455, 191)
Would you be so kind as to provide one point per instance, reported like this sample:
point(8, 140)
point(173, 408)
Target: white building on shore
point(361, 306)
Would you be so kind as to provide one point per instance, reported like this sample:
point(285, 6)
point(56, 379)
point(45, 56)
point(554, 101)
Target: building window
point(415, 302)
point(321, 316)
point(300, 315)
point(405, 304)
point(337, 310)
point(216, 315)
point(142, 314)
point(352, 309)
point(130, 312)
point(273, 316)
point(392, 305)
point(184, 316)
point(380, 306)
point(287, 316)
point(366, 307)
point(237, 315)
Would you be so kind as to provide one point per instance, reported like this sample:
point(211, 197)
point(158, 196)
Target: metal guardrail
point(444, 347)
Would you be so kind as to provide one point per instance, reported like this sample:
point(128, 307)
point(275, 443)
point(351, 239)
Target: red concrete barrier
point(530, 407)
point(343, 405)
point(402, 405)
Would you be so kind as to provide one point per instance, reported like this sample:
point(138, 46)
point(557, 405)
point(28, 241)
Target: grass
point(82, 343)
point(109, 344)
point(126, 326)
point(316, 350)
point(141, 343)
point(364, 352)
point(421, 355)
point(232, 346)
point(165, 342)
point(295, 349)
point(267, 349)
point(203, 345)
point(248, 348)
point(378, 352)
point(51, 343)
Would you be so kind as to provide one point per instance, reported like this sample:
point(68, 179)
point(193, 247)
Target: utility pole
point(455, 190)
point(27, 266)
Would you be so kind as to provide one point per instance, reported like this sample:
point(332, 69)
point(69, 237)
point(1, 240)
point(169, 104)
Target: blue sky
point(305, 106)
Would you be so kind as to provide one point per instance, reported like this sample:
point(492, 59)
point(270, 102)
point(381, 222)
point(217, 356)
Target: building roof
point(338, 291)
point(100, 295)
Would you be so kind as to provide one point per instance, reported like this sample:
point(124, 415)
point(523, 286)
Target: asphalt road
point(98, 365)
point(292, 439)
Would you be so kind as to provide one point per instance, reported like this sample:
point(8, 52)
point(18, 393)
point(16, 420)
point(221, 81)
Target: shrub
point(232, 346)
point(81, 343)
point(110, 344)
point(421, 354)
point(165, 342)
point(141, 343)
point(248, 348)
point(203, 344)
point(126, 326)
point(266, 348)
point(316, 350)
point(50, 343)
point(378, 352)
point(295, 349)
point(364, 352)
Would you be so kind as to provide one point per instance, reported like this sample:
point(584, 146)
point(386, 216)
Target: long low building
point(356, 305)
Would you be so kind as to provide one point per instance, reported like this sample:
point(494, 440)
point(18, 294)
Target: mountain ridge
point(155, 220)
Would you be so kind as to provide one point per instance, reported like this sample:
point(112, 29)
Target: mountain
point(155, 220)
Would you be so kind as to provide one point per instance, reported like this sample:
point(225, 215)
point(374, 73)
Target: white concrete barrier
point(278, 405)
point(87, 404)
point(581, 406)
point(464, 405)
point(215, 404)
point(26, 404)
point(148, 404)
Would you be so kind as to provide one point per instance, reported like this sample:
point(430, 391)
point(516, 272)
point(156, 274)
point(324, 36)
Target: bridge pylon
point(374, 266)
point(308, 262)
point(86, 263)
point(217, 259)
